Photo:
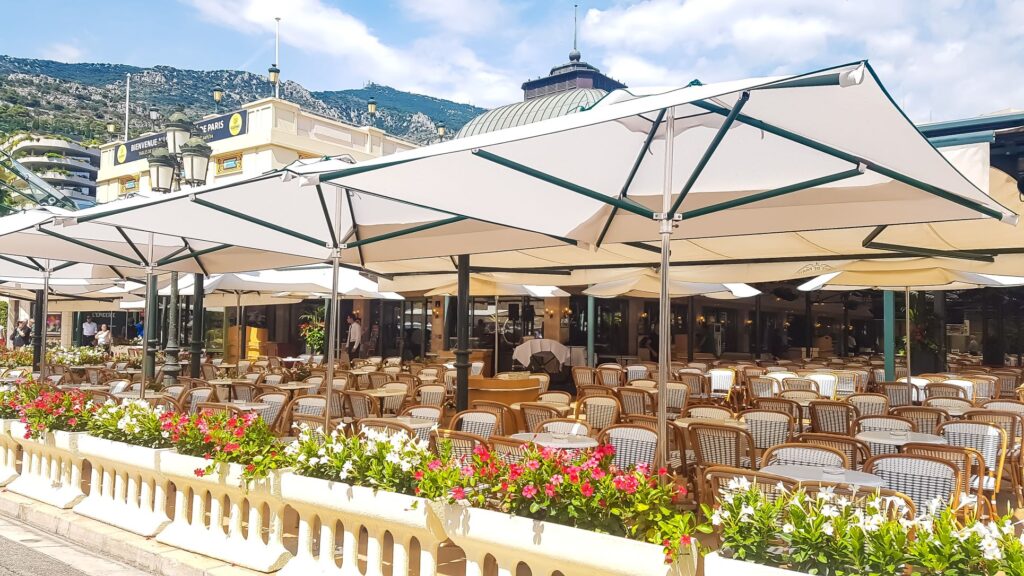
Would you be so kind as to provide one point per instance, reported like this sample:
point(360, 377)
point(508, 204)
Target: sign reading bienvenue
point(216, 128)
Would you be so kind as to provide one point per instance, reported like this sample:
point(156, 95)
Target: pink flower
point(459, 493)
point(685, 540)
point(529, 491)
point(481, 452)
point(556, 479)
point(549, 490)
point(467, 471)
point(434, 465)
point(418, 475)
point(586, 490)
point(532, 464)
point(72, 421)
point(231, 447)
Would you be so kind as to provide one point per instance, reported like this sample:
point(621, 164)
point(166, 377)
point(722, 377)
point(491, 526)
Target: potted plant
point(312, 330)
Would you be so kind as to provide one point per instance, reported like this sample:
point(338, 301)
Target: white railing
point(126, 488)
point(51, 467)
point(8, 453)
point(248, 533)
point(130, 487)
point(406, 518)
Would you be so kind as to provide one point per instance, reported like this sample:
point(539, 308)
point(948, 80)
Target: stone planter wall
point(126, 488)
point(51, 467)
point(715, 564)
point(8, 453)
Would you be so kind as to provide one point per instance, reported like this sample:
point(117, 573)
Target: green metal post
point(591, 329)
point(889, 331)
point(198, 329)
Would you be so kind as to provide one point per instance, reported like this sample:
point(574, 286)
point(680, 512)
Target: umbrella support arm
point(869, 242)
point(192, 254)
point(259, 222)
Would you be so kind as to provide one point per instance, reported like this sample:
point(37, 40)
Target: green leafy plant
point(372, 459)
point(76, 356)
point(312, 329)
point(131, 422)
point(55, 410)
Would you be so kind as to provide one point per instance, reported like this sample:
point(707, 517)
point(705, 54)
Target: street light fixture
point(441, 130)
point(154, 115)
point(218, 95)
point(195, 160)
point(111, 128)
point(178, 131)
point(161, 170)
point(274, 76)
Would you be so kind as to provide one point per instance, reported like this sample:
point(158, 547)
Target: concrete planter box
point(51, 467)
point(546, 547)
point(716, 564)
point(127, 489)
point(8, 453)
point(233, 535)
point(407, 518)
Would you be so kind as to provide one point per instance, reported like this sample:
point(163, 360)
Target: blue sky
point(941, 59)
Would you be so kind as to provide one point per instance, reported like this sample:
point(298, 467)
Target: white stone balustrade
point(8, 453)
point(216, 516)
point(51, 467)
point(126, 488)
point(325, 503)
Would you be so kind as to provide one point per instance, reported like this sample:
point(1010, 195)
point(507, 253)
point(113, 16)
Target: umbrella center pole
point(667, 224)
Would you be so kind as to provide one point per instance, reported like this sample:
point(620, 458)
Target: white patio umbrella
point(918, 273)
point(647, 284)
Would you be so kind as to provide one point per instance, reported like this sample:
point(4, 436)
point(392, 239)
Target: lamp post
point(441, 131)
point(154, 115)
point(371, 109)
point(185, 161)
point(218, 95)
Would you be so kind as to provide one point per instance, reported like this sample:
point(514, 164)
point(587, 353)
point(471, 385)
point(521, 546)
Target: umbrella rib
point(831, 151)
point(172, 260)
point(869, 242)
point(29, 266)
point(624, 203)
point(632, 172)
point(355, 226)
point(35, 263)
point(85, 245)
point(60, 267)
point(117, 273)
point(769, 194)
point(405, 231)
point(710, 151)
point(327, 215)
point(259, 222)
point(195, 257)
point(131, 245)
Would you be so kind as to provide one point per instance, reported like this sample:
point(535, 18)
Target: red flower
point(549, 490)
point(529, 491)
point(418, 475)
point(481, 452)
point(662, 471)
point(250, 468)
point(72, 421)
point(199, 472)
point(586, 490)
point(231, 447)
point(685, 540)
point(459, 493)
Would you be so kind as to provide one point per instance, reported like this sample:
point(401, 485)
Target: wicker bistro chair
point(804, 455)
point(633, 445)
point(722, 382)
point(850, 382)
point(893, 503)
point(564, 426)
point(555, 396)
point(856, 451)
point(798, 395)
point(1012, 425)
point(869, 404)
point(431, 394)
point(535, 413)
point(360, 405)
point(508, 450)
point(767, 428)
point(721, 481)
point(636, 400)
point(800, 384)
point(947, 402)
point(898, 393)
point(173, 391)
point(644, 383)
point(883, 423)
point(118, 386)
point(719, 445)
point(481, 423)
point(967, 460)
point(832, 417)
point(828, 383)
point(506, 419)
point(985, 387)
point(677, 396)
point(945, 390)
point(431, 413)
point(583, 376)
point(275, 407)
point(191, 399)
point(1008, 382)
point(601, 411)
point(387, 426)
point(761, 387)
point(925, 418)
point(709, 413)
point(989, 440)
point(217, 408)
point(637, 372)
point(611, 376)
point(790, 407)
point(594, 390)
point(924, 478)
point(462, 443)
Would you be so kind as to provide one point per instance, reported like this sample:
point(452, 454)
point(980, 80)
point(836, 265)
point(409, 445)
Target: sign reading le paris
point(210, 129)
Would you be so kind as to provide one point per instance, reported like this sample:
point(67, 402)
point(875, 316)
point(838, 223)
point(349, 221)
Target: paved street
point(25, 551)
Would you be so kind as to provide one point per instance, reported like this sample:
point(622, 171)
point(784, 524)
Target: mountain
point(78, 100)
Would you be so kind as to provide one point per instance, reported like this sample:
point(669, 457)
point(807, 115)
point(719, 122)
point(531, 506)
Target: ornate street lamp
point(161, 170)
point(441, 130)
point(274, 76)
point(178, 130)
point(218, 95)
point(154, 115)
point(195, 160)
point(371, 109)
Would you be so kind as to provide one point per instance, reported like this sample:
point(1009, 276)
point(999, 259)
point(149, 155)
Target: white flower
point(826, 494)
point(716, 520)
point(829, 511)
point(827, 528)
point(788, 528)
point(746, 511)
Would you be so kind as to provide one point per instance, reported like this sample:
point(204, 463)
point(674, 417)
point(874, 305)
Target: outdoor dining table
point(225, 367)
point(558, 441)
point(291, 387)
point(563, 411)
point(245, 406)
point(380, 394)
point(890, 439)
point(289, 361)
point(822, 474)
point(228, 383)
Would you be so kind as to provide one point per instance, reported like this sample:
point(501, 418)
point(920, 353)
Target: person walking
point(19, 338)
point(89, 332)
point(104, 337)
point(355, 336)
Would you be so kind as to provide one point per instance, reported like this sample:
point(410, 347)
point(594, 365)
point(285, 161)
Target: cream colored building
point(264, 135)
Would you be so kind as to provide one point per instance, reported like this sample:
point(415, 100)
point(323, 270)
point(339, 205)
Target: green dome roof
point(530, 111)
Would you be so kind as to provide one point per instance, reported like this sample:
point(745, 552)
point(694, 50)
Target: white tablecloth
point(817, 474)
point(524, 351)
point(885, 437)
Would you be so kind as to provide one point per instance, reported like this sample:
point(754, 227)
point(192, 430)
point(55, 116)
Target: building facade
point(64, 164)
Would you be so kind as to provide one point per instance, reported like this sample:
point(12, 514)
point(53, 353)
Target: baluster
point(350, 549)
point(108, 483)
point(216, 513)
point(255, 523)
point(276, 526)
point(235, 518)
point(198, 508)
point(95, 488)
point(374, 549)
point(120, 485)
point(400, 554)
point(145, 493)
point(428, 560)
point(133, 490)
point(327, 546)
point(305, 549)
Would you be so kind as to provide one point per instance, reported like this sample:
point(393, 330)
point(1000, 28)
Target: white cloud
point(464, 17)
point(440, 66)
point(62, 52)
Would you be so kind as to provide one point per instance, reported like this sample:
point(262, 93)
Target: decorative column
point(38, 333)
point(171, 366)
point(591, 331)
point(889, 333)
point(462, 336)
point(198, 328)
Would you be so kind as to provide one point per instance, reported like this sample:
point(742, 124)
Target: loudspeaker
point(529, 314)
point(513, 312)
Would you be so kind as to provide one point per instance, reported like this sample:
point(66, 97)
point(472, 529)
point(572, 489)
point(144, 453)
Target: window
point(229, 164)
point(129, 185)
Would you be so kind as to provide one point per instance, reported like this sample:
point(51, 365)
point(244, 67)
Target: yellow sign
point(235, 124)
point(122, 153)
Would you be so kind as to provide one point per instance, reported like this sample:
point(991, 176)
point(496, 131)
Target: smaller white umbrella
point(646, 284)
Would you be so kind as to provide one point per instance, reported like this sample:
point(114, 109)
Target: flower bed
point(829, 535)
point(76, 356)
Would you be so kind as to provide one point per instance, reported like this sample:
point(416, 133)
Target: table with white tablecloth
point(526, 350)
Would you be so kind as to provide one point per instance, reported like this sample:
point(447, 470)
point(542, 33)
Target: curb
point(143, 553)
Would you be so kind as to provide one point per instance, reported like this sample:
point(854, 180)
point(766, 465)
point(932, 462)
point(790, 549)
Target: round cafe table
point(547, 440)
point(886, 437)
point(817, 474)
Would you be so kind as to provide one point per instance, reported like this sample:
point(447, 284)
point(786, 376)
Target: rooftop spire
point(574, 56)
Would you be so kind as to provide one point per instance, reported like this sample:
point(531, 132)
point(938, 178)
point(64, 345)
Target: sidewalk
point(26, 551)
